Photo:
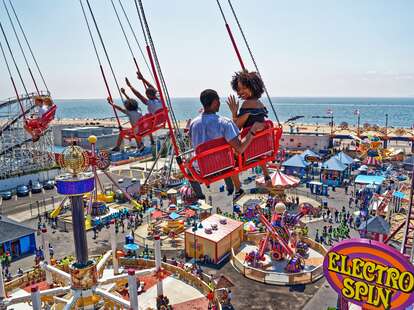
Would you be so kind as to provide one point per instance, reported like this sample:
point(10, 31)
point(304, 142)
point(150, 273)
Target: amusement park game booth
point(16, 239)
point(333, 172)
point(214, 238)
point(296, 165)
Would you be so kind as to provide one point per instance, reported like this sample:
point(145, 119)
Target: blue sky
point(303, 48)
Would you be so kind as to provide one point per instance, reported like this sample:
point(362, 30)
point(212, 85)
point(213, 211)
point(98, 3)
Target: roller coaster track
point(15, 119)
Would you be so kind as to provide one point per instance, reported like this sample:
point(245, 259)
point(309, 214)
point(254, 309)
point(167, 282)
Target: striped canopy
point(280, 179)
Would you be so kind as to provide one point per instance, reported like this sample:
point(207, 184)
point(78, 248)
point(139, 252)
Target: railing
point(30, 277)
point(183, 275)
point(277, 278)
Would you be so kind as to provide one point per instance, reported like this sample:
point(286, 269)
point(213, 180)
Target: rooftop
point(222, 231)
point(11, 230)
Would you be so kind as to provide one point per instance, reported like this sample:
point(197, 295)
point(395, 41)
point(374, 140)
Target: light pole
point(386, 132)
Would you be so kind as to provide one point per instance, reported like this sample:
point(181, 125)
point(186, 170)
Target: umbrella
point(131, 247)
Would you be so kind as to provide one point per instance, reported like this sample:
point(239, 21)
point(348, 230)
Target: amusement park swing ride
point(82, 286)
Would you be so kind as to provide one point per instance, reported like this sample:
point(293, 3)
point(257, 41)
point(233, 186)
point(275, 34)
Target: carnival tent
point(344, 158)
point(296, 165)
point(333, 164)
point(333, 172)
point(280, 179)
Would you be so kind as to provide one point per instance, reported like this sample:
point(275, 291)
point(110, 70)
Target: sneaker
point(237, 195)
point(116, 149)
point(230, 192)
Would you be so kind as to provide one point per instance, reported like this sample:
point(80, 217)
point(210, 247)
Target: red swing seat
point(145, 126)
point(39, 125)
point(216, 159)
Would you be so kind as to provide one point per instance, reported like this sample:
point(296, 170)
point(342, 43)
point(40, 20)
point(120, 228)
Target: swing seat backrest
point(214, 156)
point(160, 119)
point(144, 124)
point(43, 122)
point(263, 143)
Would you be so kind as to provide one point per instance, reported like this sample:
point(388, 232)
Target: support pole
point(157, 241)
point(35, 296)
point(46, 253)
point(2, 289)
point(113, 247)
point(79, 231)
point(132, 289)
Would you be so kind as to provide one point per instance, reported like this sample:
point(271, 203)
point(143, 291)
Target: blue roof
point(344, 158)
point(296, 161)
point(333, 164)
point(399, 195)
point(174, 216)
point(369, 179)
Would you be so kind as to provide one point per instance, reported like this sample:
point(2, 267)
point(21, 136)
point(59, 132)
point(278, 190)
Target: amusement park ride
point(25, 141)
point(282, 240)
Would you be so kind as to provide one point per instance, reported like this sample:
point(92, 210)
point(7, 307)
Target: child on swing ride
point(151, 100)
point(133, 112)
point(43, 105)
point(249, 87)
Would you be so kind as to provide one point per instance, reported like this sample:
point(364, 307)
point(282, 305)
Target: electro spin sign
point(370, 274)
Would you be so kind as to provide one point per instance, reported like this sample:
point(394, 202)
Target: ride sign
point(370, 273)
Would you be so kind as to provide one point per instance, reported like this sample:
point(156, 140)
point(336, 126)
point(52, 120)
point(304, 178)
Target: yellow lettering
point(370, 294)
point(367, 271)
point(383, 297)
point(406, 282)
point(345, 269)
point(361, 290)
point(348, 289)
point(380, 269)
point(333, 260)
point(357, 263)
point(392, 276)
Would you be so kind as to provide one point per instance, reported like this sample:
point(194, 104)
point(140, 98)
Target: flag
point(329, 112)
point(356, 112)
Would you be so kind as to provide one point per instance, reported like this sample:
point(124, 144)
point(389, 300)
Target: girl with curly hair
point(249, 87)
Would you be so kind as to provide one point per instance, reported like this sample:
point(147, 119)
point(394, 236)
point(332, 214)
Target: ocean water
point(372, 110)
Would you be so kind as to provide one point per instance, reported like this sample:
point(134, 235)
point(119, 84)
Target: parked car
point(7, 195)
point(48, 185)
point(36, 187)
point(22, 191)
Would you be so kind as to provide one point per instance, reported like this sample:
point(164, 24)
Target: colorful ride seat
point(39, 125)
point(216, 159)
point(145, 126)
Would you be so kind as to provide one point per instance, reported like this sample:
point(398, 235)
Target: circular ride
point(282, 249)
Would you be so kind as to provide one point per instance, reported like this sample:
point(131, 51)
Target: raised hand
point(123, 90)
point(109, 100)
point(139, 75)
point(233, 105)
point(127, 82)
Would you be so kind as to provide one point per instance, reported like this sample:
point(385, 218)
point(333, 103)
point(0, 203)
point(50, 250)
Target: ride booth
point(333, 172)
point(212, 240)
point(317, 188)
point(296, 166)
point(376, 228)
point(15, 239)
